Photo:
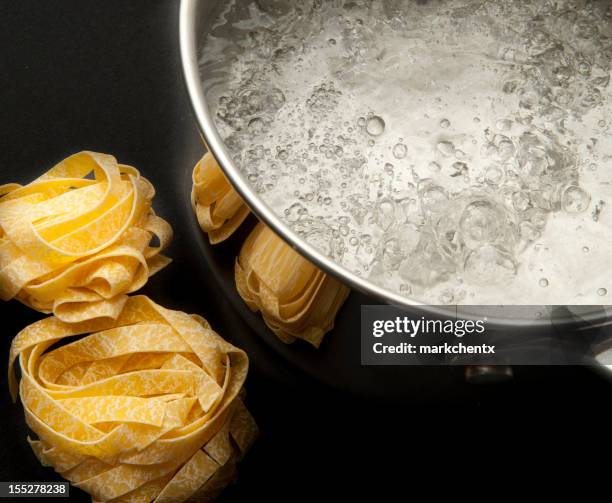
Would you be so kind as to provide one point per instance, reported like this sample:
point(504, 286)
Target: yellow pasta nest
point(144, 408)
point(296, 299)
point(77, 239)
point(219, 209)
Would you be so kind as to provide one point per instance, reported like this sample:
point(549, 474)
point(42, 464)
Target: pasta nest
point(78, 239)
point(143, 408)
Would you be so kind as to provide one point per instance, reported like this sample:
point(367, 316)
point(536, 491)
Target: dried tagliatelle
point(218, 206)
point(296, 299)
point(77, 239)
point(143, 408)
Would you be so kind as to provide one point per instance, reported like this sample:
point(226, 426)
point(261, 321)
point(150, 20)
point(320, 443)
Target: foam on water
point(452, 151)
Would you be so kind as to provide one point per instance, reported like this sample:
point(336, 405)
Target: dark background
point(106, 76)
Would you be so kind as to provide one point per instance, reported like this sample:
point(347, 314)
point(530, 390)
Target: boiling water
point(452, 151)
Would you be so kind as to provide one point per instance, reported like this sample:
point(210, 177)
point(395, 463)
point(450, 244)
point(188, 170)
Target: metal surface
point(196, 17)
point(488, 374)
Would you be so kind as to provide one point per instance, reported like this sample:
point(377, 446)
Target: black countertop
point(106, 76)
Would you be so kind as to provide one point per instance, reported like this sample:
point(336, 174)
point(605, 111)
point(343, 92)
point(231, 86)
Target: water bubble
point(602, 292)
point(445, 123)
point(434, 166)
point(575, 199)
point(429, 266)
point(586, 249)
point(255, 154)
point(602, 123)
point(392, 254)
point(399, 151)
point(361, 122)
point(543, 198)
point(323, 99)
point(584, 68)
point(494, 175)
point(528, 231)
point(399, 242)
point(276, 98)
point(533, 158)
point(256, 125)
point(563, 97)
point(295, 212)
point(433, 199)
point(446, 148)
point(375, 125)
point(386, 213)
point(536, 217)
point(520, 200)
point(332, 41)
point(459, 169)
point(480, 223)
point(505, 147)
point(543, 282)
point(405, 288)
point(488, 150)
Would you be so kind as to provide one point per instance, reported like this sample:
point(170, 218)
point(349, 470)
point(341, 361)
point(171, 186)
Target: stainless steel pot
point(196, 18)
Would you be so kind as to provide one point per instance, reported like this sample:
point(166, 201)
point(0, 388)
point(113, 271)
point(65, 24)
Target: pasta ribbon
point(218, 207)
point(296, 299)
point(143, 408)
point(78, 239)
